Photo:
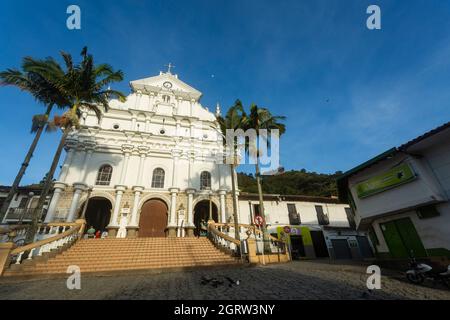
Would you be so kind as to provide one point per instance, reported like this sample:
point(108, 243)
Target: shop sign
point(396, 176)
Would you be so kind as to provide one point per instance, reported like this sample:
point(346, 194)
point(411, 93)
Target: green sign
point(396, 176)
point(295, 231)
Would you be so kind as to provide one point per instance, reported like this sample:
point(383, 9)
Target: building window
point(23, 203)
point(158, 178)
point(104, 175)
point(166, 98)
point(294, 217)
point(256, 210)
point(321, 216)
point(427, 212)
point(350, 218)
point(205, 180)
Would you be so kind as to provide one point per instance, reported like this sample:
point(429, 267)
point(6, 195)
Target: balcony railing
point(19, 214)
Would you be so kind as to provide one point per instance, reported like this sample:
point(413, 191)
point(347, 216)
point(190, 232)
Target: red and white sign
point(259, 221)
point(287, 229)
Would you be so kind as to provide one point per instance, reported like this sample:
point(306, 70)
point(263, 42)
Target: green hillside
point(292, 183)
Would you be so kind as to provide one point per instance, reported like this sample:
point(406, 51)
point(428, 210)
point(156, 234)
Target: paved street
point(296, 280)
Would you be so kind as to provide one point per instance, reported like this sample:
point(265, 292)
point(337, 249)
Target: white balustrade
point(47, 246)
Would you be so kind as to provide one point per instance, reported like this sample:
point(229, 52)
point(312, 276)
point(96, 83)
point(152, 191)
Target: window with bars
point(205, 180)
point(104, 175)
point(322, 217)
point(294, 217)
point(350, 218)
point(158, 178)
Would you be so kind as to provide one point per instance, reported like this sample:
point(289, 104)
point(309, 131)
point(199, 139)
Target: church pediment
point(165, 82)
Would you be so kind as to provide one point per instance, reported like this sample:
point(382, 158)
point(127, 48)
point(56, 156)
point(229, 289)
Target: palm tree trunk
point(235, 209)
point(37, 213)
point(261, 203)
point(23, 168)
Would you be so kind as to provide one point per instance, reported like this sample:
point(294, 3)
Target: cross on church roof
point(169, 66)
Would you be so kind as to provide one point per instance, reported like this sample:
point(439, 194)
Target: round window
point(116, 126)
point(162, 131)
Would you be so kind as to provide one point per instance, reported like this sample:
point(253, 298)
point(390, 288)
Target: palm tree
point(262, 118)
point(83, 86)
point(44, 92)
point(233, 120)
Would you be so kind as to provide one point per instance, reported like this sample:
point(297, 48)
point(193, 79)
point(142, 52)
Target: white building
point(402, 197)
point(148, 166)
point(319, 226)
point(21, 207)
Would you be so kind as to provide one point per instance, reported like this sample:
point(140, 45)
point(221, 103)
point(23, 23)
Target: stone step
point(104, 255)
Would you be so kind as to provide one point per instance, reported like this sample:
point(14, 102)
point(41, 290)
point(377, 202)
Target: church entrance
point(98, 213)
point(201, 213)
point(153, 219)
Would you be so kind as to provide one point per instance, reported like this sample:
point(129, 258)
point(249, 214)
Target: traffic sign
point(259, 221)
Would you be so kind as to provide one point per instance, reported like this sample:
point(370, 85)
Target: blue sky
point(349, 93)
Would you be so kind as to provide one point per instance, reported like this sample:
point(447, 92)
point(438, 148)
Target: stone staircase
point(112, 255)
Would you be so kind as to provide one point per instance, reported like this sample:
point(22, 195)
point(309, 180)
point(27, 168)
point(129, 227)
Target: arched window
point(158, 178)
point(205, 180)
point(104, 175)
point(166, 98)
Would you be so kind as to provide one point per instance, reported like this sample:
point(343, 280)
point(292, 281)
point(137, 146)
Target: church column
point(70, 149)
point(113, 223)
point(178, 128)
point(191, 169)
point(151, 101)
point(192, 131)
point(190, 213)
point(176, 155)
point(133, 123)
point(59, 187)
point(173, 207)
point(223, 216)
point(87, 160)
point(126, 149)
point(133, 227)
point(79, 188)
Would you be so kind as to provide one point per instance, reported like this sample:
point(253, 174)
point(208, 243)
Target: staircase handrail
point(249, 226)
point(60, 240)
point(223, 235)
point(33, 245)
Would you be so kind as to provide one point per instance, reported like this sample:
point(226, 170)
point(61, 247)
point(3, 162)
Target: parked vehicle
point(418, 272)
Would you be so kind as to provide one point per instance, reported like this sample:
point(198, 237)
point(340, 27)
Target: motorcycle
point(421, 271)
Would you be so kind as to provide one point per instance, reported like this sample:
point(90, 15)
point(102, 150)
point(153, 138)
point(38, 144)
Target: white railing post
point(19, 258)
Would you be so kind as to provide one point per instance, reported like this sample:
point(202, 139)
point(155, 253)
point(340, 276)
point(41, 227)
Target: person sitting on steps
point(91, 232)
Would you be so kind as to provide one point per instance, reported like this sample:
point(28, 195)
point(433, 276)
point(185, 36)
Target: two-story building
point(316, 227)
point(402, 197)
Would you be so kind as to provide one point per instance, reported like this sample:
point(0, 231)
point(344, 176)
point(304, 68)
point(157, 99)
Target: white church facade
point(148, 167)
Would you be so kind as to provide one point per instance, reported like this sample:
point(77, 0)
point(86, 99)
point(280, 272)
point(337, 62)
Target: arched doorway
point(98, 213)
point(201, 212)
point(153, 219)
